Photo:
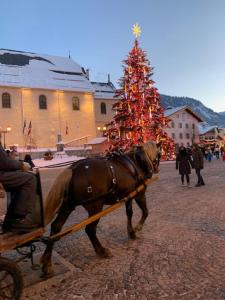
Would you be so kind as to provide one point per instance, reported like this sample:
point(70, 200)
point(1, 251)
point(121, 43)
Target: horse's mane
point(150, 150)
point(56, 195)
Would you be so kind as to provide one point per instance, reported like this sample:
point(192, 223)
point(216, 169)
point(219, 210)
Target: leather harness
point(122, 159)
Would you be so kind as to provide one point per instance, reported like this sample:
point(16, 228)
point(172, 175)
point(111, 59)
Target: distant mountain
point(206, 113)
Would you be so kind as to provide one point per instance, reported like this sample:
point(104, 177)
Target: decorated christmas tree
point(139, 116)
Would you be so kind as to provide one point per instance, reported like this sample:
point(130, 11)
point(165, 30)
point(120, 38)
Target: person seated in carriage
point(22, 184)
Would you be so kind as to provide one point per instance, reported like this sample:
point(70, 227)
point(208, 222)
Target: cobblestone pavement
point(180, 253)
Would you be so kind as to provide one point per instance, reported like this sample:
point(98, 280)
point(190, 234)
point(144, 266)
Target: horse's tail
point(56, 195)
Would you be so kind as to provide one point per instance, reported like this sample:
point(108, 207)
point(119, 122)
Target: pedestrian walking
point(198, 164)
point(209, 155)
point(183, 163)
point(217, 151)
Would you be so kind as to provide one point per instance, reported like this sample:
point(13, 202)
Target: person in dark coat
point(183, 163)
point(28, 159)
point(198, 163)
point(23, 185)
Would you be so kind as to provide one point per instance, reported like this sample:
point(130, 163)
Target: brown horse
point(94, 182)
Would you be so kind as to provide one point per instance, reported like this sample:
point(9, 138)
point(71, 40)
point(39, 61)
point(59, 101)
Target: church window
point(6, 101)
point(103, 108)
point(75, 103)
point(42, 102)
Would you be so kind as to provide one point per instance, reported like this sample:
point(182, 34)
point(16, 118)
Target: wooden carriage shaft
point(103, 213)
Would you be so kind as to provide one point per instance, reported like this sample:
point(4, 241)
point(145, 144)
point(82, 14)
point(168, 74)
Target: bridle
point(151, 166)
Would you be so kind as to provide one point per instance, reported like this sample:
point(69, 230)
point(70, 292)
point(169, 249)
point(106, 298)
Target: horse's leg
point(90, 229)
point(129, 211)
point(141, 202)
point(56, 226)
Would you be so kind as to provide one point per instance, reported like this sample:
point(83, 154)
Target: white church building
point(42, 96)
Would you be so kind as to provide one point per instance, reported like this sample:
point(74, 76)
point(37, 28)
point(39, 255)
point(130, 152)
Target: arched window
point(42, 102)
point(75, 103)
point(6, 101)
point(103, 108)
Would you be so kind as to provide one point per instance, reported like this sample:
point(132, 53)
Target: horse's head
point(149, 153)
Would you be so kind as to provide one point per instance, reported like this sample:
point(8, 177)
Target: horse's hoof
point(47, 272)
point(132, 235)
point(46, 275)
point(105, 253)
point(138, 227)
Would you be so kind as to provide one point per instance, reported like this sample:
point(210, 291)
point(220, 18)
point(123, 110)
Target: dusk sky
point(184, 39)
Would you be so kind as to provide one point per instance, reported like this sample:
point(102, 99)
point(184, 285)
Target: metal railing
point(80, 142)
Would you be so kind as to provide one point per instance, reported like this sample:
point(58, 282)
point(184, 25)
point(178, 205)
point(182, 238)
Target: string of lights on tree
point(139, 116)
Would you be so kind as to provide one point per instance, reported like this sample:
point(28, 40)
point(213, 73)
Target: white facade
point(51, 93)
point(183, 126)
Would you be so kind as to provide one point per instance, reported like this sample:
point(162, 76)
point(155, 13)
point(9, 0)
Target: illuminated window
point(42, 102)
point(75, 103)
point(103, 108)
point(6, 101)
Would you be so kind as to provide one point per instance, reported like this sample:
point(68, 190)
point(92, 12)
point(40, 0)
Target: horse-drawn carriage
point(123, 178)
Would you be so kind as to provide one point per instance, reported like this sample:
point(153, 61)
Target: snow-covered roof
point(204, 128)
point(30, 70)
point(104, 90)
point(170, 111)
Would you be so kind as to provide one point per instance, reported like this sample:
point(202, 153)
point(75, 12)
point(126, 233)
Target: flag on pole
point(24, 126)
point(67, 128)
point(29, 129)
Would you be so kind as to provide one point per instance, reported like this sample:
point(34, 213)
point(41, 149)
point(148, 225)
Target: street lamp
point(4, 131)
point(102, 129)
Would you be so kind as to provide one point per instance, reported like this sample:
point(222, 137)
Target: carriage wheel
point(11, 280)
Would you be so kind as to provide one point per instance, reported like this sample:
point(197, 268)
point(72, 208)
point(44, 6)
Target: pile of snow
point(56, 161)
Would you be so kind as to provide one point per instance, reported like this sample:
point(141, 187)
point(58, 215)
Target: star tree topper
point(136, 30)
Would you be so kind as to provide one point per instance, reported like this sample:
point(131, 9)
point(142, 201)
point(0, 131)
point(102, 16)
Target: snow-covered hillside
point(206, 113)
